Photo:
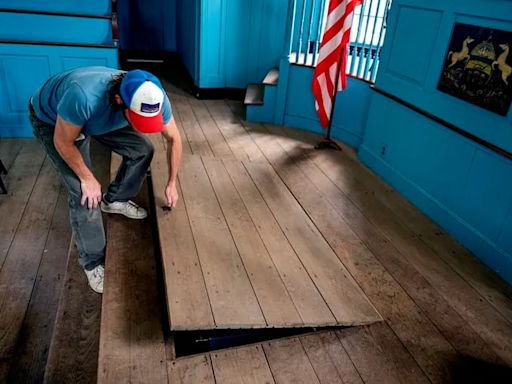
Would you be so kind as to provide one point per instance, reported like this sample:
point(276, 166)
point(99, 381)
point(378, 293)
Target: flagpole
point(327, 142)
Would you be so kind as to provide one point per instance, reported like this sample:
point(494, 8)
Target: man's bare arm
point(174, 149)
point(64, 141)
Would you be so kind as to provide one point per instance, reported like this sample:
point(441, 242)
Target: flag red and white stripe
point(332, 57)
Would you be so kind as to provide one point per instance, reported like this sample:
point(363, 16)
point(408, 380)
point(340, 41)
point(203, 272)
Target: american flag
point(332, 57)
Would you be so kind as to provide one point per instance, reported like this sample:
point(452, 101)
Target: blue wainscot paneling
point(24, 68)
point(350, 109)
point(460, 184)
point(417, 40)
point(51, 28)
point(83, 7)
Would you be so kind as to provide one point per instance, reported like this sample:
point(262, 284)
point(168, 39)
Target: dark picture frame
point(478, 67)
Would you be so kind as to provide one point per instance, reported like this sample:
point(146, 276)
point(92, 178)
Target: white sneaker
point(95, 277)
point(127, 208)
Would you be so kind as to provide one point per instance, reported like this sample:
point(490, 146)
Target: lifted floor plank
point(305, 295)
point(275, 302)
point(187, 298)
point(232, 297)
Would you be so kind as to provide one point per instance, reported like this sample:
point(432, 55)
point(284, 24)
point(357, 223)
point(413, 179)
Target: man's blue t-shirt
point(82, 97)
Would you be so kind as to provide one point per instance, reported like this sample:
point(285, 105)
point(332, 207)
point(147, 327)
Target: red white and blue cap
point(143, 94)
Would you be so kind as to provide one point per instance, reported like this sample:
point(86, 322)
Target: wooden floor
point(446, 317)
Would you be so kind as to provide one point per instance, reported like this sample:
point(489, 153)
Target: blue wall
point(239, 41)
point(187, 35)
point(147, 25)
point(463, 186)
point(25, 65)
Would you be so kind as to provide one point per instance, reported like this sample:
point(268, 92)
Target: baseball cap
point(143, 94)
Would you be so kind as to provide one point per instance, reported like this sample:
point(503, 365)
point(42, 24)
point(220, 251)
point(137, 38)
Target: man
point(116, 108)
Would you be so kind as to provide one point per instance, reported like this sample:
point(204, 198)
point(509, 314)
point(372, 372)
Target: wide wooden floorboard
point(20, 182)
point(289, 362)
point(380, 357)
point(38, 324)
point(179, 123)
point(73, 354)
point(191, 370)
point(241, 365)
point(187, 299)
point(190, 126)
point(329, 359)
point(218, 144)
point(131, 340)
point(9, 150)
point(241, 144)
point(233, 301)
point(307, 299)
point(275, 302)
point(22, 261)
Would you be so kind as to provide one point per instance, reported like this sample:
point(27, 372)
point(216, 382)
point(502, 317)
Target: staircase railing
point(306, 23)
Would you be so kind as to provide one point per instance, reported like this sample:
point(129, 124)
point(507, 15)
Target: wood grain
point(187, 298)
point(20, 182)
point(73, 354)
point(329, 359)
point(289, 363)
point(306, 298)
point(191, 370)
point(275, 302)
point(246, 365)
point(38, 324)
point(22, 261)
point(343, 296)
point(232, 298)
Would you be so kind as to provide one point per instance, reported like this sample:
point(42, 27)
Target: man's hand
point(91, 193)
point(171, 193)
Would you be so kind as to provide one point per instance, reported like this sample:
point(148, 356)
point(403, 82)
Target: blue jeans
point(87, 224)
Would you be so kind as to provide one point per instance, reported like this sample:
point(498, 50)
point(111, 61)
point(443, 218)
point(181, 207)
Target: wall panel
point(459, 183)
point(64, 29)
point(87, 7)
point(24, 68)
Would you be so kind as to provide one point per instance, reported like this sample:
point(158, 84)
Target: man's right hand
point(91, 193)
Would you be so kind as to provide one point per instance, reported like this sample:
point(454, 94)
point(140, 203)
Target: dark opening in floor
point(192, 342)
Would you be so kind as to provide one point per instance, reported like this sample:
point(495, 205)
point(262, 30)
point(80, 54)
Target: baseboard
point(486, 250)
point(220, 93)
point(338, 132)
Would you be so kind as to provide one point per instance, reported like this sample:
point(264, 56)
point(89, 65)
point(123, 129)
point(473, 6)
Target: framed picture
point(478, 67)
